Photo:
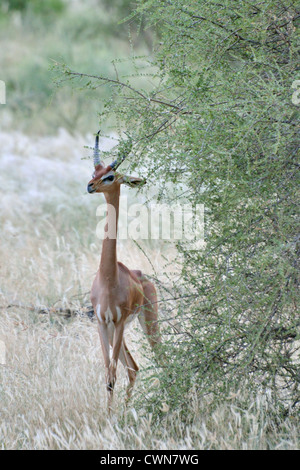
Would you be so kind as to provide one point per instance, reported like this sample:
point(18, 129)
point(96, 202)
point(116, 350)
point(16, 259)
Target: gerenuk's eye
point(109, 178)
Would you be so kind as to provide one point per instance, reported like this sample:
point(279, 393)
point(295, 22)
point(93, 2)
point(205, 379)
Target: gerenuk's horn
point(97, 151)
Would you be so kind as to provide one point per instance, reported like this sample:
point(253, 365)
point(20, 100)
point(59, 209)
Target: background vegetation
point(34, 36)
point(205, 90)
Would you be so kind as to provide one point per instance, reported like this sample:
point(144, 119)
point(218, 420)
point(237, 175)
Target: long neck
point(108, 261)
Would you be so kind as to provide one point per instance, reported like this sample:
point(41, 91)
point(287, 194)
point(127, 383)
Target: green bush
point(220, 120)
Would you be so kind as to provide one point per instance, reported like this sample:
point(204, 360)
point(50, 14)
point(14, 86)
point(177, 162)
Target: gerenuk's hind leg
point(148, 316)
point(131, 367)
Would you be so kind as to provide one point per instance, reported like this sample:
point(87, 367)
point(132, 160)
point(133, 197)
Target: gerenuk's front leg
point(117, 343)
point(104, 341)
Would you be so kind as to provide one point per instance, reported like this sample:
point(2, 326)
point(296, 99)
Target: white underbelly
point(107, 316)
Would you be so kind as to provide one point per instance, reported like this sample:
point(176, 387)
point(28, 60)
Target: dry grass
point(52, 397)
point(52, 391)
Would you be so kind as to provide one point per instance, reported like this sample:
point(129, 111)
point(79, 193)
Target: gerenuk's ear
point(133, 181)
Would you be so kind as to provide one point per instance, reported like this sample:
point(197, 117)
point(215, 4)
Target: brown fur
point(118, 294)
